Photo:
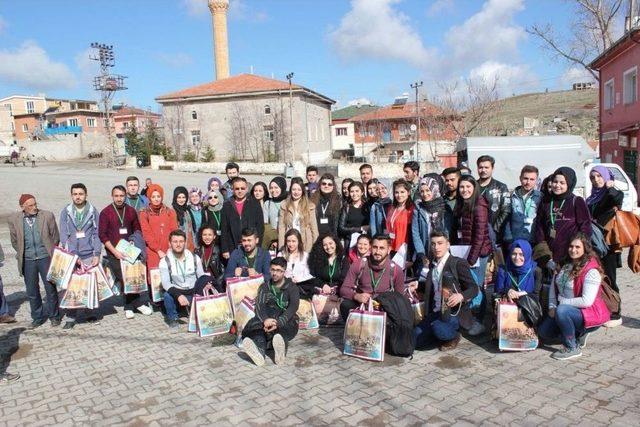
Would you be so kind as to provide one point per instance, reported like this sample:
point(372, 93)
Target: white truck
point(547, 153)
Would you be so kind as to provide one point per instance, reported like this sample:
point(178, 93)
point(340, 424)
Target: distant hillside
point(563, 112)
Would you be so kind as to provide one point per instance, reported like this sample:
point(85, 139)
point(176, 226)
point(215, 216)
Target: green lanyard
point(279, 297)
point(79, 216)
point(121, 218)
point(252, 264)
point(517, 284)
point(217, 218)
point(374, 282)
point(552, 215)
point(182, 267)
point(528, 202)
point(137, 202)
point(332, 270)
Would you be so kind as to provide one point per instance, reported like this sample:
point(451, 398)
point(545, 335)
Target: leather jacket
point(499, 199)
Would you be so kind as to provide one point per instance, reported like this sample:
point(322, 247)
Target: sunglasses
point(328, 184)
point(213, 197)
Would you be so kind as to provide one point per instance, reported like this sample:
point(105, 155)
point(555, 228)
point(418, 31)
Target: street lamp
point(289, 77)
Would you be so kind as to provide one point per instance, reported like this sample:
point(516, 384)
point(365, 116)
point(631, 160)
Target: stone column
point(219, 9)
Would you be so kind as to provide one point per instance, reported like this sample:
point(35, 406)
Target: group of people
point(443, 237)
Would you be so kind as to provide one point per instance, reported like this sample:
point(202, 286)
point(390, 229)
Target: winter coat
point(156, 227)
point(87, 246)
point(422, 224)
point(233, 224)
point(308, 224)
point(472, 228)
point(47, 226)
point(521, 222)
point(499, 203)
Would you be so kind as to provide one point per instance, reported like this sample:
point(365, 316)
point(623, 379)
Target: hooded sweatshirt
point(79, 231)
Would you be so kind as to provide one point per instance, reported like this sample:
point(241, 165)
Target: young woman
point(362, 249)
point(427, 217)
point(354, 216)
point(156, 222)
point(260, 192)
point(211, 212)
point(562, 216)
point(345, 190)
point(185, 218)
point(277, 194)
point(328, 203)
point(195, 209)
point(521, 275)
point(297, 259)
point(298, 213)
point(328, 265)
point(378, 214)
point(215, 184)
point(603, 202)
point(209, 253)
point(575, 300)
point(472, 229)
point(372, 192)
point(399, 216)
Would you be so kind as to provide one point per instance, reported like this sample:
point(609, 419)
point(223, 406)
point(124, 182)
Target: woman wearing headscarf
point(603, 202)
point(185, 219)
point(328, 204)
point(156, 222)
point(214, 184)
point(427, 217)
point(195, 209)
point(271, 207)
point(562, 216)
point(521, 275)
point(378, 214)
point(211, 215)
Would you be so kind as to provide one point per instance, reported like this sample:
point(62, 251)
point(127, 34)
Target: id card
point(528, 221)
point(123, 231)
point(392, 235)
point(552, 233)
point(459, 234)
point(218, 232)
point(80, 235)
point(324, 220)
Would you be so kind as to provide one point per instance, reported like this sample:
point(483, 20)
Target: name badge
point(123, 231)
point(324, 220)
point(218, 232)
point(528, 221)
point(552, 233)
point(459, 234)
point(392, 235)
point(80, 235)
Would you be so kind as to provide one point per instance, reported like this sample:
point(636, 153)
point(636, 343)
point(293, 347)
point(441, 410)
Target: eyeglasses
point(213, 197)
point(328, 184)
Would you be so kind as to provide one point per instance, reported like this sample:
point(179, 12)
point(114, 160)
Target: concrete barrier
point(252, 168)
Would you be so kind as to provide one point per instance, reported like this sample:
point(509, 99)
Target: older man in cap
point(34, 235)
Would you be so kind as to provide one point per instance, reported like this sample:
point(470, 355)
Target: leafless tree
point(250, 131)
point(174, 119)
point(591, 32)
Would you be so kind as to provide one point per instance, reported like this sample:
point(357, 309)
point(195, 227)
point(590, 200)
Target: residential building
point(6, 126)
point(125, 117)
point(343, 131)
point(619, 103)
point(248, 117)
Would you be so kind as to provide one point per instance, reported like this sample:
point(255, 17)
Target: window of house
point(268, 133)
point(194, 115)
point(623, 141)
point(195, 137)
point(403, 129)
point(125, 125)
point(25, 127)
point(630, 85)
point(362, 131)
point(341, 131)
point(267, 110)
point(73, 122)
point(371, 130)
point(31, 108)
point(609, 94)
point(8, 106)
point(91, 122)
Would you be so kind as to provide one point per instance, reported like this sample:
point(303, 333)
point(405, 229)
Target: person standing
point(497, 195)
point(451, 178)
point(399, 218)
point(157, 222)
point(211, 215)
point(147, 183)
point(312, 180)
point(328, 203)
point(354, 216)
point(525, 200)
point(277, 193)
point(411, 172)
point(233, 171)
point(378, 213)
point(79, 236)
point(238, 213)
point(366, 173)
point(185, 219)
point(119, 221)
point(428, 217)
point(298, 213)
point(135, 200)
point(5, 317)
point(34, 233)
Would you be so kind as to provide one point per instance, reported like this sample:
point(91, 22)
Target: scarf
point(215, 178)
point(180, 210)
point(433, 186)
point(570, 176)
point(197, 206)
point(386, 183)
point(150, 190)
point(282, 183)
point(529, 266)
point(598, 193)
point(218, 206)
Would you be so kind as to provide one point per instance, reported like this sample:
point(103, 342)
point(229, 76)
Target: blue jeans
point(4, 307)
point(568, 324)
point(170, 303)
point(33, 269)
point(432, 330)
point(479, 303)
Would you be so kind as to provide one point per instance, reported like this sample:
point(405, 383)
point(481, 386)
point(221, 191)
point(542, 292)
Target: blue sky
point(347, 50)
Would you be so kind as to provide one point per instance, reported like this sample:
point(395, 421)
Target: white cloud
point(375, 29)
point(196, 7)
point(175, 60)
point(439, 6)
point(511, 78)
point(575, 74)
point(30, 66)
point(360, 101)
point(87, 69)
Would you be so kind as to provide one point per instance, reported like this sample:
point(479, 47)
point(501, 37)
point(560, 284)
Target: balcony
point(60, 130)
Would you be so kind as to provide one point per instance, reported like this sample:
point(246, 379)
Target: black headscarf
point(282, 183)
point(180, 210)
point(570, 176)
point(546, 193)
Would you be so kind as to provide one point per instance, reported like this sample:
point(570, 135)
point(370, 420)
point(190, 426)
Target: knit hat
point(24, 198)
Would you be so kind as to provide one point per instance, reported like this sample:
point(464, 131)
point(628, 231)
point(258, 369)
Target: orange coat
point(155, 231)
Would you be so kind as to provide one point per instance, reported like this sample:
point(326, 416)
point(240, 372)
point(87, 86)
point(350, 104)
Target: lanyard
point(279, 297)
point(528, 203)
point(79, 216)
point(324, 208)
point(552, 215)
point(517, 284)
point(182, 267)
point(374, 282)
point(332, 270)
point(250, 265)
point(216, 217)
point(137, 199)
point(121, 218)
point(394, 216)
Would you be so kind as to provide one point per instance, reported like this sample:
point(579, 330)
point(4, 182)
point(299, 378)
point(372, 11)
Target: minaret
point(219, 10)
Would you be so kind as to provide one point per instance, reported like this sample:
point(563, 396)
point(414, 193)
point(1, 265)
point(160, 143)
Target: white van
point(622, 183)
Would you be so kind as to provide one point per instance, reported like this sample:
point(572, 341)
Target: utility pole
point(416, 86)
point(289, 77)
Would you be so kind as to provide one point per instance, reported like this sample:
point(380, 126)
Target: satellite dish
point(413, 128)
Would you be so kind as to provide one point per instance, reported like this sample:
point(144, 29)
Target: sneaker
point(279, 349)
point(173, 323)
point(55, 323)
point(450, 345)
point(68, 325)
point(476, 329)
point(146, 310)
point(582, 340)
point(238, 343)
point(37, 323)
point(129, 314)
point(7, 318)
point(93, 319)
point(252, 351)
point(8, 378)
point(566, 354)
point(613, 323)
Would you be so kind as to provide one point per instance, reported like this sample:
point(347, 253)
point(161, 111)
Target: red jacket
point(473, 229)
point(399, 224)
point(156, 228)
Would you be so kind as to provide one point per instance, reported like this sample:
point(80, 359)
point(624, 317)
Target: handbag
point(307, 317)
point(240, 287)
point(61, 267)
point(513, 334)
point(623, 230)
point(134, 277)
point(245, 312)
point(155, 285)
point(364, 333)
point(213, 314)
point(417, 306)
point(633, 259)
point(530, 310)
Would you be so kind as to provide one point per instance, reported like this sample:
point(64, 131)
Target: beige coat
point(308, 225)
point(48, 232)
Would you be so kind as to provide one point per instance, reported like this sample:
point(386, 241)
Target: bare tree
point(174, 119)
point(255, 135)
point(590, 34)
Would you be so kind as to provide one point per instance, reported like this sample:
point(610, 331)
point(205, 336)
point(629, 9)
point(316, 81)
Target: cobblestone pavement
point(138, 372)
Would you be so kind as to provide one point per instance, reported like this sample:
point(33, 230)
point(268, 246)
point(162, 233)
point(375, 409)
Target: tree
point(152, 140)
point(133, 141)
point(591, 32)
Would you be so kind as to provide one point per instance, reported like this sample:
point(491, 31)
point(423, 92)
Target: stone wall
point(66, 147)
point(250, 168)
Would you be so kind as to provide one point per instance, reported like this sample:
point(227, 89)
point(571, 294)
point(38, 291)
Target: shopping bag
point(245, 312)
point(61, 267)
point(213, 314)
point(103, 288)
point(417, 306)
point(192, 326)
point(134, 276)
point(130, 251)
point(327, 309)
point(513, 334)
point(155, 285)
point(364, 333)
point(307, 318)
point(77, 292)
point(240, 287)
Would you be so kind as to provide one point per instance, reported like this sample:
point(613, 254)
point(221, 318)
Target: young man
point(370, 276)
point(451, 178)
point(447, 291)
point(249, 259)
point(34, 234)
point(135, 200)
point(525, 200)
point(238, 213)
point(5, 317)
point(119, 221)
point(79, 235)
point(497, 195)
point(275, 317)
point(412, 175)
point(366, 174)
point(182, 277)
point(233, 171)
point(147, 183)
point(312, 180)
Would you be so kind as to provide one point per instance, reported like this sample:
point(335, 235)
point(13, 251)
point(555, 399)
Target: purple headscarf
point(598, 193)
point(215, 178)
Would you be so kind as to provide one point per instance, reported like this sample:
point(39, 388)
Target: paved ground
point(138, 372)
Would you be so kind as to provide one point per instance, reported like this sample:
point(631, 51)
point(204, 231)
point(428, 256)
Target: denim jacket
point(87, 246)
point(520, 224)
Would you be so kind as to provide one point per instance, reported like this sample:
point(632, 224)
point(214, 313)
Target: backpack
point(597, 240)
point(399, 329)
point(610, 297)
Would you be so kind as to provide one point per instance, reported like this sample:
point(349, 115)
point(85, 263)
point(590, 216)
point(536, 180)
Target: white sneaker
point(476, 329)
point(129, 314)
point(146, 310)
point(252, 351)
point(279, 349)
point(613, 323)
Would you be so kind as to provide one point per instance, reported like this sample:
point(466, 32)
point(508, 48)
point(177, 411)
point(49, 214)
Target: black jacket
point(603, 210)
point(210, 220)
point(232, 224)
point(322, 277)
point(266, 307)
point(499, 200)
point(213, 266)
point(345, 231)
